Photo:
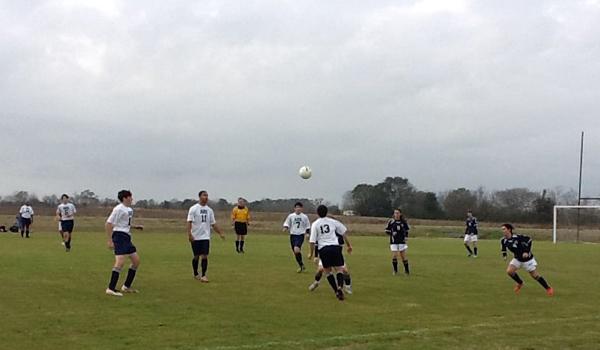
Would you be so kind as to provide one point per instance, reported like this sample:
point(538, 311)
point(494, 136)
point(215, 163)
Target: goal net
point(576, 223)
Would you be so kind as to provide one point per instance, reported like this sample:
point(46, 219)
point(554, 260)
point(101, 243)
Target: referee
point(240, 218)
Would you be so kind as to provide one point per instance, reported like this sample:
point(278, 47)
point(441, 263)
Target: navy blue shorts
point(296, 241)
point(331, 256)
point(201, 247)
point(67, 225)
point(122, 242)
point(241, 228)
point(25, 222)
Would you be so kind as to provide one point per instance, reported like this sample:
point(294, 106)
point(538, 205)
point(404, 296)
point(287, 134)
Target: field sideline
point(51, 299)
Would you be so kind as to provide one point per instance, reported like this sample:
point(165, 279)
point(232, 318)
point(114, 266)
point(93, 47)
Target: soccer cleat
point(301, 268)
point(475, 255)
point(313, 286)
point(395, 273)
point(469, 255)
point(113, 293)
point(204, 279)
point(129, 290)
point(67, 250)
point(550, 292)
point(339, 294)
point(348, 289)
point(518, 287)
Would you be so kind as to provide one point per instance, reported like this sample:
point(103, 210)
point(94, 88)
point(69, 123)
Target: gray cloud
point(235, 97)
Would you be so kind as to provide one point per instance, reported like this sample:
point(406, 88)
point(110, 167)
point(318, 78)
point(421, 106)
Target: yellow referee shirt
point(240, 215)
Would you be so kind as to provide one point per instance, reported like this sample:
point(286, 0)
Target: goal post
point(590, 220)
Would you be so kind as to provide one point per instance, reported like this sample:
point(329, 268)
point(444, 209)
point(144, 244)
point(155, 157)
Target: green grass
point(53, 300)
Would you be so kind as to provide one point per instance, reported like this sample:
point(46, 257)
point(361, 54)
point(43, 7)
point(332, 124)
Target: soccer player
point(325, 231)
point(397, 228)
point(471, 234)
point(118, 230)
point(520, 246)
point(26, 214)
point(65, 213)
point(200, 220)
point(297, 224)
point(240, 219)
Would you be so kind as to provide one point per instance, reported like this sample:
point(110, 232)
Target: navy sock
point(195, 266)
point(475, 250)
point(543, 282)
point(114, 278)
point(516, 277)
point(318, 276)
point(130, 276)
point(469, 249)
point(332, 283)
point(242, 246)
point(204, 266)
point(395, 264)
point(347, 279)
point(237, 246)
point(299, 259)
point(340, 279)
point(406, 269)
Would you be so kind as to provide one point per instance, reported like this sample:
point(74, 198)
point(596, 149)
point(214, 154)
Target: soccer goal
point(576, 223)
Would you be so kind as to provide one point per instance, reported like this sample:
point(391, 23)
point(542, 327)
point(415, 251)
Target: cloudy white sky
point(167, 98)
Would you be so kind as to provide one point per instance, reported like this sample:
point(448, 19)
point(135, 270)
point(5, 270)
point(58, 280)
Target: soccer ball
point(305, 172)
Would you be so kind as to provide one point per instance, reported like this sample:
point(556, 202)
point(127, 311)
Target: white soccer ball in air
point(305, 172)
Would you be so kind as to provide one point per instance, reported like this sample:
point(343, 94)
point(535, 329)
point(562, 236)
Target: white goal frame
point(555, 211)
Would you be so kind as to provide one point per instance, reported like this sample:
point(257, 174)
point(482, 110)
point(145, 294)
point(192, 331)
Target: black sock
point(242, 246)
point(332, 283)
point(475, 250)
point(114, 278)
point(299, 259)
point(347, 279)
point(395, 264)
point(195, 266)
point(27, 233)
point(340, 279)
point(543, 282)
point(22, 232)
point(204, 266)
point(130, 276)
point(318, 276)
point(406, 270)
point(516, 277)
point(237, 246)
point(469, 249)
point(68, 243)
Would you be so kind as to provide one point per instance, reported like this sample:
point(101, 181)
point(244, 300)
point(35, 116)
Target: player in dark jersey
point(397, 228)
point(471, 234)
point(520, 246)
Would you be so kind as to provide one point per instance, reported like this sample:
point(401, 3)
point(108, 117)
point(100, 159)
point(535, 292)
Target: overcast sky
point(167, 98)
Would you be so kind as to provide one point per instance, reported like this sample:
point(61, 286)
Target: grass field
point(53, 300)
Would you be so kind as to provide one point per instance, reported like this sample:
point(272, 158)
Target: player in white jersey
point(325, 232)
point(118, 230)
point(298, 225)
point(26, 214)
point(200, 221)
point(65, 214)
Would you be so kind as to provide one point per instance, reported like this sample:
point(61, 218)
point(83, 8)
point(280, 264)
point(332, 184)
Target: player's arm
point(248, 218)
point(189, 231)
point(312, 240)
point(388, 229)
point(218, 230)
point(347, 241)
point(503, 250)
point(57, 215)
point(527, 243)
point(108, 228)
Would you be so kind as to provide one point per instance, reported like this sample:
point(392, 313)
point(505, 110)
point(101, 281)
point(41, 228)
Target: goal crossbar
point(554, 216)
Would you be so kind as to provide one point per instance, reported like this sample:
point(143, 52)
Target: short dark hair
point(508, 226)
point(322, 211)
point(123, 194)
point(298, 204)
point(64, 195)
point(202, 192)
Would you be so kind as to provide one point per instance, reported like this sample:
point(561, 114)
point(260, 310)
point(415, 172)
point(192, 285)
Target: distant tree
point(544, 207)
point(86, 198)
point(51, 200)
point(458, 201)
point(347, 201)
point(399, 192)
point(371, 200)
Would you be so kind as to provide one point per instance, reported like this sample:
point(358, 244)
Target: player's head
point(125, 197)
point(322, 211)
point(241, 202)
point(507, 230)
point(64, 198)
point(298, 207)
point(203, 196)
point(397, 214)
point(27, 203)
point(470, 213)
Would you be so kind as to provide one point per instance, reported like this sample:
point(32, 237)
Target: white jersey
point(66, 211)
point(298, 224)
point(202, 218)
point(120, 218)
point(26, 212)
point(325, 232)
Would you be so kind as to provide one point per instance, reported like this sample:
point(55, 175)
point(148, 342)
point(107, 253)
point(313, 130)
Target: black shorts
point(296, 240)
point(122, 242)
point(25, 222)
point(201, 247)
point(241, 228)
point(67, 225)
point(331, 256)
